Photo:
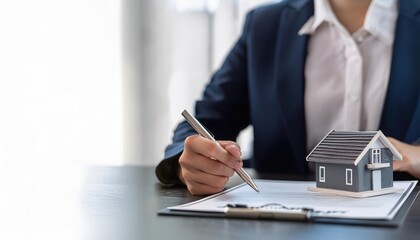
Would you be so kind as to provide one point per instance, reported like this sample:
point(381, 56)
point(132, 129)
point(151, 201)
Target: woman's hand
point(205, 166)
point(411, 157)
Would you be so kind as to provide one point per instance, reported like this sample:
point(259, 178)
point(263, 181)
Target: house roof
point(348, 147)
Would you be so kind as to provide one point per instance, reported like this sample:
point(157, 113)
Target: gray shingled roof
point(341, 147)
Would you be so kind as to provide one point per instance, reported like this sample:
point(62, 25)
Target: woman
point(300, 69)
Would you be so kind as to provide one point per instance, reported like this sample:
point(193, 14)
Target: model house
point(354, 163)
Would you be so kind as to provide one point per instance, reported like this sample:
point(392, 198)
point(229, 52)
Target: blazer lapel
point(402, 95)
point(291, 56)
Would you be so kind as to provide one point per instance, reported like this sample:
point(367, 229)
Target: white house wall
point(377, 144)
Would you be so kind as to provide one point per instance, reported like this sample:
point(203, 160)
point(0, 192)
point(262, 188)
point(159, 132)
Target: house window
point(349, 176)
point(322, 174)
point(376, 155)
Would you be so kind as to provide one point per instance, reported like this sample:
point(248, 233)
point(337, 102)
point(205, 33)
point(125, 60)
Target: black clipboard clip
point(268, 211)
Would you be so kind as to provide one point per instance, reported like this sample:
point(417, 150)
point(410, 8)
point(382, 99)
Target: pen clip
point(261, 212)
point(236, 205)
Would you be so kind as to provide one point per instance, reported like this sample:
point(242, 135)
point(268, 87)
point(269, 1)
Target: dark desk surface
point(128, 198)
point(101, 203)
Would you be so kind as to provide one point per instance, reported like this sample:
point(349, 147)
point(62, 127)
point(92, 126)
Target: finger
point(394, 141)
point(232, 147)
point(400, 146)
point(212, 149)
point(205, 164)
point(195, 176)
point(214, 181)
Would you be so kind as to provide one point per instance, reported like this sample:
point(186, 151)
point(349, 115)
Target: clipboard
point(302, 215)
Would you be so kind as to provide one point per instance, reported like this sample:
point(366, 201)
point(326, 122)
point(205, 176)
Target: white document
point(294, 195)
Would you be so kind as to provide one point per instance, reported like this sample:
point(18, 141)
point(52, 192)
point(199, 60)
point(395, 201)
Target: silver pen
point(203, 132)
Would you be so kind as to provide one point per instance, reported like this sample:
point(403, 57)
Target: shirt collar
point(380, 19)
point(323, 13)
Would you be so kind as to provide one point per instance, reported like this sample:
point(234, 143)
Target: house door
point(376, 180)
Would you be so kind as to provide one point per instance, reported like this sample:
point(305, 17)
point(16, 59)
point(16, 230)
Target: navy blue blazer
point(262, 83)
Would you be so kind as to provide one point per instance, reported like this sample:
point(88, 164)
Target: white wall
point(104, 81)
point(60, 84)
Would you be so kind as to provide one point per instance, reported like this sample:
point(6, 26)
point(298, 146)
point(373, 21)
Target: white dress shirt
point(347, 74)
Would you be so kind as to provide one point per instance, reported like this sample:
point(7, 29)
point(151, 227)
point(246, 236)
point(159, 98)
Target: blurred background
point(105, 81)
